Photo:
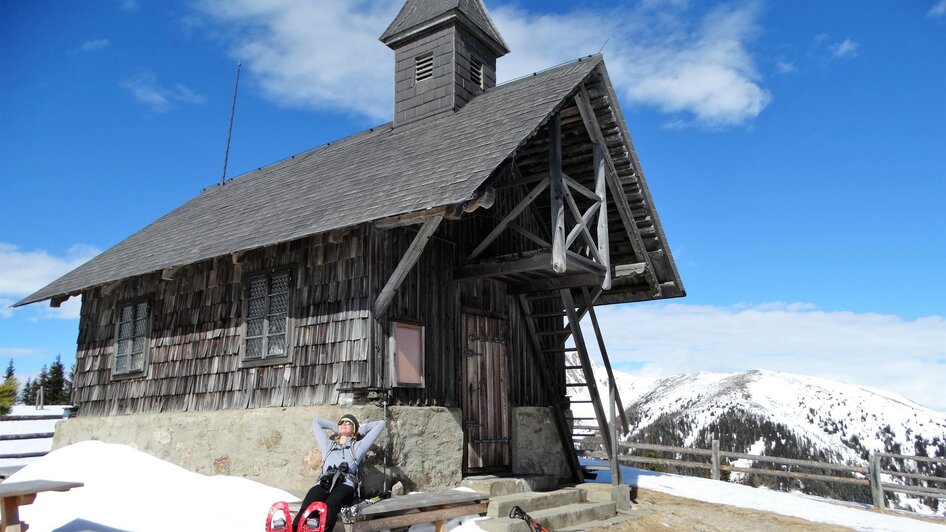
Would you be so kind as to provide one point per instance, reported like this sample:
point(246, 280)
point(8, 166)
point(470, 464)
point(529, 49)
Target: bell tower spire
point(445, 54)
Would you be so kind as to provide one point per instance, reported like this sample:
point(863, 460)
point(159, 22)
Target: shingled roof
point(381, 172)
point(419, 15)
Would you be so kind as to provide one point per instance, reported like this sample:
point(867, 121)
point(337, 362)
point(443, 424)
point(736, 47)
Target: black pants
point(340, 496)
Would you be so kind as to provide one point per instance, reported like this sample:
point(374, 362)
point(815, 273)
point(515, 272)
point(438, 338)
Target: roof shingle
point(381, 172)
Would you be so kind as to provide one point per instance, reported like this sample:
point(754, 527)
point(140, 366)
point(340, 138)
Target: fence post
point(873, 475)
point(615, 464)
point(715, 458)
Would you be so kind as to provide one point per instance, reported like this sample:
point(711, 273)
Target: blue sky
point(794, 150)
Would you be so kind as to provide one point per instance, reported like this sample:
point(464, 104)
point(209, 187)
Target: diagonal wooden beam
point(586, 110)
point(581, 189)
point(584, 221)
point(530, 235)
point(604, 358)
point(404, 266)
point(508, 219)
point(556, 194)
point(582, 225)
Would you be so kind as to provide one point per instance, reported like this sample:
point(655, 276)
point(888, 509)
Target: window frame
point(264, 360)
point(146, 349)
point(392, 351)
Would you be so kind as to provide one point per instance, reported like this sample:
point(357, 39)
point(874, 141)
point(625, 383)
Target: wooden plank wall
point(195, 334)
point(426, 296)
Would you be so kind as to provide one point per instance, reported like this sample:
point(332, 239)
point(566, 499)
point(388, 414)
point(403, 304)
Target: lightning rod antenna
point(226, 155)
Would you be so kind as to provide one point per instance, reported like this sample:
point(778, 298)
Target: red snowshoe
point(279, 518)
point(313, 518)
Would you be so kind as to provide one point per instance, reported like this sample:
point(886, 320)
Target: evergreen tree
point(38, 384)
point(10, 370)
point(25, 396)
point(8, 395)
point(54, 389)
point(70, 382)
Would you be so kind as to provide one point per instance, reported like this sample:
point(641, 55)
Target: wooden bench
point(406, 510)
point(16, 494)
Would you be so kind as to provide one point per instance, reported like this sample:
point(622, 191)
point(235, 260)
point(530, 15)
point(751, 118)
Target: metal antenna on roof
point(603, 45)
point(226, 155)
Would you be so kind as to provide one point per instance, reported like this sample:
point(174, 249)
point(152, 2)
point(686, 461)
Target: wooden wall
point(194, 361)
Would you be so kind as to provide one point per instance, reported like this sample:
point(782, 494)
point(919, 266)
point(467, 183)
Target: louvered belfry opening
point(445, 54)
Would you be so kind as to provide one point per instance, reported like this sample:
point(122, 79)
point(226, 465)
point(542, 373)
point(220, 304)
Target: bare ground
point(659, 511)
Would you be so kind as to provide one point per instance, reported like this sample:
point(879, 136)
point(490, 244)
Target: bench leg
point(440, 526)
point(10, 521)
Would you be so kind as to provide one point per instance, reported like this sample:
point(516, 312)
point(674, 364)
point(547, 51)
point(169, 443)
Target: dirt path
point(660, 511)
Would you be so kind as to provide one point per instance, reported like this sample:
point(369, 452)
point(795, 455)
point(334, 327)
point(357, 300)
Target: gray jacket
point(352, 451)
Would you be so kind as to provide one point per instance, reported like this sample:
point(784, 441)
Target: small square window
point(266, 317)
point(407, 349)
point(131, 337)
point(423, 67)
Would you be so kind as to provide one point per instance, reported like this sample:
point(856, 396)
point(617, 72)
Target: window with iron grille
point(424, 66)
point(266, 317)
point(131, 337)
point(476, 72)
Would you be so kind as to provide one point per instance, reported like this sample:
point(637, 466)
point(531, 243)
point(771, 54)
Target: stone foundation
point(537, 449)
point(275, 446)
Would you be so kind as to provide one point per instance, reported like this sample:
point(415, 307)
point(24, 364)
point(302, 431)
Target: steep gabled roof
point(417, 15)
point(381, 172)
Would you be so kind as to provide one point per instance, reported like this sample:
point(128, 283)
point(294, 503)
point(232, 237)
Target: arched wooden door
point(485, 395)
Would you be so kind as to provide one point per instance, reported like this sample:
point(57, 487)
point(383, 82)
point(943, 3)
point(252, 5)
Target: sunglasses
point(340, 423)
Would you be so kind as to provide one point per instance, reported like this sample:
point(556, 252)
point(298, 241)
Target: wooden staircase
point(552, 318)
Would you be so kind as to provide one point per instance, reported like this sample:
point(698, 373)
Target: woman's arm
point(319, 426)
point(371, 430)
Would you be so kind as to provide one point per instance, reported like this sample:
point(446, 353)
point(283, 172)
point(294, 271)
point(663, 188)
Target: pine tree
point(8, 395)
point(10, 370)
point(25, 396)
point(55, 386)
point(40, 383)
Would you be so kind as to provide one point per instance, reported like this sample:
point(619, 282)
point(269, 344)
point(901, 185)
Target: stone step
point(621, 517)
point(494, 486)
point(533, 501)
point(557, 518)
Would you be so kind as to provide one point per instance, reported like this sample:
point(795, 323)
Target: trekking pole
point(519, 513)
point(387, 440)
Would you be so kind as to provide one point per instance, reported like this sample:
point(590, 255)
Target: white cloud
point(882, 351)
point(94, 45)
point(24, 272)
point(938, 9)
point(145, 88)
point(326, 54)
point(22, 352)
point(785, 67)
point(845, 48)
point(314, 54)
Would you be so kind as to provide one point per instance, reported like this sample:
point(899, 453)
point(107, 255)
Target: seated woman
point(342, 455)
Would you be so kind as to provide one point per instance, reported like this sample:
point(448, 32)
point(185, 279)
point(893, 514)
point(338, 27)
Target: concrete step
point(557, 518)
point(621, 517)
point(494, 486)
point(533, 501)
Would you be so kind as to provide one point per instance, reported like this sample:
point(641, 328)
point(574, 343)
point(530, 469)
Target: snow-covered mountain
point(784, 415)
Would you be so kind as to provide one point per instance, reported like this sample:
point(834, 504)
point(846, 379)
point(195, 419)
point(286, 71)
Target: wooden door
point(485, 395)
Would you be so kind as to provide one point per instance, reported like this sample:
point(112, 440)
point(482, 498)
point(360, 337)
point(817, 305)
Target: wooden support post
point(604, 358)
point(557, 194)
point(615, 466)
point(575, 325)
point(407, 262)
point(715, 460)
point(604, 241)
point(876, 484)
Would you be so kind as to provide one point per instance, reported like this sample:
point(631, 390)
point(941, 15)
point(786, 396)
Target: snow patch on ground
point(28, 427)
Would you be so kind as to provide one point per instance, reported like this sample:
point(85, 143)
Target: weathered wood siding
point(427, 296)
point(194, 356)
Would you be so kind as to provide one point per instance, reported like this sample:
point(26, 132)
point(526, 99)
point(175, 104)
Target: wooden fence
point(872, 475)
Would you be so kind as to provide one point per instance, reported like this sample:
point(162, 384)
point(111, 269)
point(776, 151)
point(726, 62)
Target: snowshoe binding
point(313, 518)
point(279, 519)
